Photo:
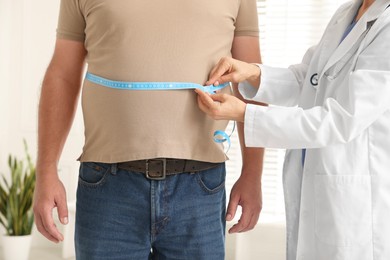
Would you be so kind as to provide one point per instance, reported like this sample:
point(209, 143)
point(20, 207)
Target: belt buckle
point(163, 169)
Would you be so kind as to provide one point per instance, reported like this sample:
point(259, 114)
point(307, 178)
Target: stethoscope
point(314, 79)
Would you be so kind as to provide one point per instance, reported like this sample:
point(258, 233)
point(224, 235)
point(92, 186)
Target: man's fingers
point(242, 224)
point(232, 207)
point(252, 223)
point(254, 220)
point(50, 227)
point(62, 209)
point(42, 230)
point(247, 221)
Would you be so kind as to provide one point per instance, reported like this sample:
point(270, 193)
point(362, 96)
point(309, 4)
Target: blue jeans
point(123, 215)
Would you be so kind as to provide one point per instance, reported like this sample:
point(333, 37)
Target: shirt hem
point(103, 158)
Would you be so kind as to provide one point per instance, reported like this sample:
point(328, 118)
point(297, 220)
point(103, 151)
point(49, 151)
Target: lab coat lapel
point(335, 31)
point(358, 32)
point(337, 50)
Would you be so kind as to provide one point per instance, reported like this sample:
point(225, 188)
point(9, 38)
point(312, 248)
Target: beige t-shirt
point(145, 40)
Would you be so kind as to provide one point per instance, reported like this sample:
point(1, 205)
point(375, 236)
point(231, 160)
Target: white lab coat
point(338, 204)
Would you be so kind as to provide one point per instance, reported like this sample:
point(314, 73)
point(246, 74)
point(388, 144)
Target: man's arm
point(57, 107)
point(246, 191)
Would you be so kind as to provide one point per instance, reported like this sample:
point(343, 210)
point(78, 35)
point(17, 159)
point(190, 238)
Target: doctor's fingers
point(214, 109)
point(204, 97)
point(204, 101)
point(231, 70)
point(223, 66)
point(204, 108)
point(214, 113)
point(209, 100)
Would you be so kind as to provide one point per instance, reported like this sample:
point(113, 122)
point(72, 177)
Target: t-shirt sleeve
point(247, 19)
point(71, 22)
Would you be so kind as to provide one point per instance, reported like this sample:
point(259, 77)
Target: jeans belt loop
point(163, 174)
point(114, 168)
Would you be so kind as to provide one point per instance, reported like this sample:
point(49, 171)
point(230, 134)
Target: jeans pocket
point(212, 180)
point(93, 174)
point(343, 215)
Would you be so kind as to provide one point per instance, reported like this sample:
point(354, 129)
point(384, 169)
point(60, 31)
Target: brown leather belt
point(159, 168)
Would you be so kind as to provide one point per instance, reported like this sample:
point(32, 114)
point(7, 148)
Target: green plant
point(16, 196)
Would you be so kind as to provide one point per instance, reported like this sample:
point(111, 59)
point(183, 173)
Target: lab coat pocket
point(343, 216)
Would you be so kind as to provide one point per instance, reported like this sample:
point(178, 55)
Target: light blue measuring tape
point(152, 85)
point(219, 136)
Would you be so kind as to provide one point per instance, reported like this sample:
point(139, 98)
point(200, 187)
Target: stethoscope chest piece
point(314, 79)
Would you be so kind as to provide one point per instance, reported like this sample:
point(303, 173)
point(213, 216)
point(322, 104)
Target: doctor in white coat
point(332, 113)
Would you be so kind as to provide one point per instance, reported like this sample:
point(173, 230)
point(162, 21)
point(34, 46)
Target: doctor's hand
point(235, 71)
point(221, 106)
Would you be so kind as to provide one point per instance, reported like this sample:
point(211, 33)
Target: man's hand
point(57, 107)
point(246, 192)
point(49, 194)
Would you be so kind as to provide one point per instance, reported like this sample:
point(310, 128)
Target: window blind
point(287, 29)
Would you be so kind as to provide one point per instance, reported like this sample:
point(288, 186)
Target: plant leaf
point(16, 196)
